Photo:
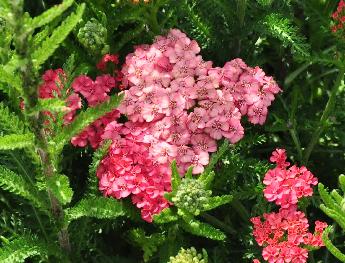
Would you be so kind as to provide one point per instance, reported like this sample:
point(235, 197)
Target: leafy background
point(290, 39)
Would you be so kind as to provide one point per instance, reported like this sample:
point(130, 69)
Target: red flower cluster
point(285, 234)
point(94, 92)
point(53, 87)
point(339, 17)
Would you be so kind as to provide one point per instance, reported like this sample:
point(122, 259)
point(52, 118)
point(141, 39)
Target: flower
point(284, 235)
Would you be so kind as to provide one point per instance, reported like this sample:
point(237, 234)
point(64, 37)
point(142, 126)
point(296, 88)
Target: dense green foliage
point(51, 209)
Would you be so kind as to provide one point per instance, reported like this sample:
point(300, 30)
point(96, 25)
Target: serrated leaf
point(342, 182)
point(328, 243)
point(215, 158)
point(48, 47)
point(165, 216)
point(59, 185)
point(15, 184)
point(98, 155)
point(97, 207)
point(84, 119)
point(19, 249)
point(175, 176)
point(326, 197)
point(11, 79)
point(50, 104)
point(149, 244)
point(49, 15)
point(216, 201)
point(198, 228)
point(16, 141)
point(207, 179)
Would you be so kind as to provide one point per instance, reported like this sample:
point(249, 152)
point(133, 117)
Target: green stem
point(296, 141)
point(326, 113)
point(216, 222)
point(240, 209)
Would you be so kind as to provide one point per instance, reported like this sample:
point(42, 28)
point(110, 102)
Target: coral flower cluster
point(339, 17)
point(285, 234)
point(177, 107)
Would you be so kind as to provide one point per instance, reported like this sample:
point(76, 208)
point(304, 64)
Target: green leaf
point(84, 119)
point(207, 179)
point(282, 28)
point(216, 157)
point(51, 104)
point(326, 198)
point(92, 188)
point(11, 79)
point(337, 216)
point(49, 15)
point(175, 176)
point(342, 182)
point(59, 185)
point(149, 244)
point(16, 141)
point(202, 229)
point(331, 248)
point(97, 207)
point(48, 47)
point(21, 248)
point(15, 184)
point(216, 201)
point(165, 216)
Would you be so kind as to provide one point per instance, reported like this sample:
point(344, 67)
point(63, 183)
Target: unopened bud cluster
point(188, 256)
point(192, 196)
point(93, 36)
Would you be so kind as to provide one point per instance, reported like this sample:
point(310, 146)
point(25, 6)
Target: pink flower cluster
point(177, 106)
point(285, 234)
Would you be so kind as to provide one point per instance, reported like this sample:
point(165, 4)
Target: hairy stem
point(325, 115)
point(30, 96)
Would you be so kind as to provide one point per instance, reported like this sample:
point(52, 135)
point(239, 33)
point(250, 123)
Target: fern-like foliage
point(149, 244)
point(59, 186)
point(50, 44)
point(20, 249)
point(282, 28)
point(49, 15)
point(15, 184)
point(16, 141)
point(84, 119)
point(332, 206)
point(97, 207)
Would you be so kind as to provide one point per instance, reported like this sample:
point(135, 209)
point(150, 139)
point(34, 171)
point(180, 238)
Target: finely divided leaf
point(216, 201)
point(16, 141)
point(59, 186)
point(97, 207)
point(48, 47)
point(15, 184)
point(84, 119)
point(21, 248)
point(49, 15)
point(202, 229)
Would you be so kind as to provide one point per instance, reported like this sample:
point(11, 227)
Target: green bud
point(189, 256)
point(93, 36)
point(191, 196)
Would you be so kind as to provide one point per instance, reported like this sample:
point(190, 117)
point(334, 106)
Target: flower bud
point(188, 256)
point(192, 196)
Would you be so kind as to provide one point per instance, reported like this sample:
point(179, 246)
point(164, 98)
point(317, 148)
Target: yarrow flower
point(177, 107)
point(339, 17)
point(285, 234)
